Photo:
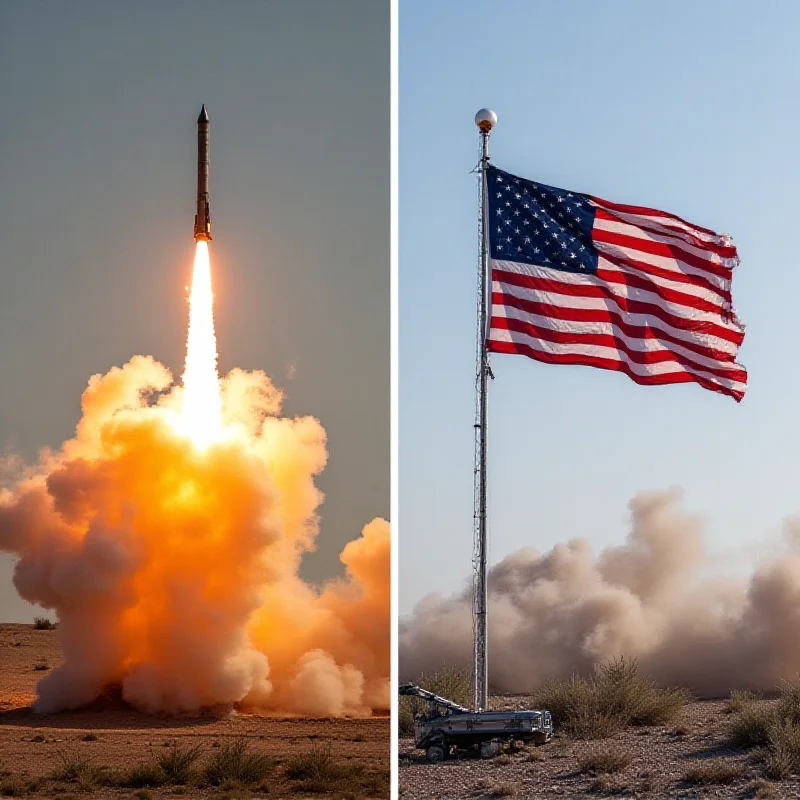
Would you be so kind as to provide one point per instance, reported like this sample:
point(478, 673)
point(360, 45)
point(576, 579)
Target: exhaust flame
point(202, 404)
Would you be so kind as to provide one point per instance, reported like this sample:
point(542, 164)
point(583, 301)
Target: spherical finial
point(486, 119)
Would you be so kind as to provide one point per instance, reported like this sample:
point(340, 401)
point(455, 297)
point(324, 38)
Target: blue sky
point(685, 106)
point(98, 167)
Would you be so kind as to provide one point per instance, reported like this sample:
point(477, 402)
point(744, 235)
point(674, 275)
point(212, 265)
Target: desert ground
point(664, 762)
point(349, 757)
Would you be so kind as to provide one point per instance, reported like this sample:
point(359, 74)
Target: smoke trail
point(173, 569)
point(563, 612)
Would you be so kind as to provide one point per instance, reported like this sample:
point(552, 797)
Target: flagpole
point(485, 120)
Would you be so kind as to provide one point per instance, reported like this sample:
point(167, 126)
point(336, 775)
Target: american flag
point(580, 280)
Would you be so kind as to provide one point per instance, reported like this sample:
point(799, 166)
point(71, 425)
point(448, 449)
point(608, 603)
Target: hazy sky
point(687, 106)
point(99, 100)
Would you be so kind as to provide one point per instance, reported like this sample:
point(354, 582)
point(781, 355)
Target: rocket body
point(202, 219)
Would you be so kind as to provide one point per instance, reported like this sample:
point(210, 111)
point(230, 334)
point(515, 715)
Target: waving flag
point(579, 280)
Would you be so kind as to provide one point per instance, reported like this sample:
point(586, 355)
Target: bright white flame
point(202, 403)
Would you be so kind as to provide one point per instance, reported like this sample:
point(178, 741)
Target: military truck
point(447, 730)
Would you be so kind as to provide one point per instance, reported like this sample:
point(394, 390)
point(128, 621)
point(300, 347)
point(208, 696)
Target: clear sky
point(99, 100)
point(686, 106)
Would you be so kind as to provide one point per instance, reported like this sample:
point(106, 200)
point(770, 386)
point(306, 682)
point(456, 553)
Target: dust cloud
point(652, 598)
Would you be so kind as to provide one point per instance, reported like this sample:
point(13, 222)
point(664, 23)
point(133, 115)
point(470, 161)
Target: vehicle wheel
point(435, 753)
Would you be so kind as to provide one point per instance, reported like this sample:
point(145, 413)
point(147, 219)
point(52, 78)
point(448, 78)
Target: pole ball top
point(486, 119)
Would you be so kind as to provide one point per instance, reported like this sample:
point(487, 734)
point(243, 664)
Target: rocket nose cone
point(203, 114)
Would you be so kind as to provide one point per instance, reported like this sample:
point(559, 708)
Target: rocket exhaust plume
point(653, 598)
point(202, 403)
point(167, 536)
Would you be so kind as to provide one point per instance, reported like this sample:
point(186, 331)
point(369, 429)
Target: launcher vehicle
point(446, 729)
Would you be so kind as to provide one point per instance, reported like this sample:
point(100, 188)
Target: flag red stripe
point(514, 348)
point(675, 253)
point(718, 245)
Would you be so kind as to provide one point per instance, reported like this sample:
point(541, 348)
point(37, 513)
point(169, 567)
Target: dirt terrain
point(661, 758)
point(33, 746)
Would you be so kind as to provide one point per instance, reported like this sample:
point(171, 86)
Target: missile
point(202, 220)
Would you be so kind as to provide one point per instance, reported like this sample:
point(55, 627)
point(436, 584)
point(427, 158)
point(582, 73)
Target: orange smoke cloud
point(173, 568)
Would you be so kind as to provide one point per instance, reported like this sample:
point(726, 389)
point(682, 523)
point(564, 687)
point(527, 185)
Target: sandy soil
point(32, 745)
point(660, 759)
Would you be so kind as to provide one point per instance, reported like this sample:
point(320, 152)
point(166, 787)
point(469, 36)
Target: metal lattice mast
point(485, 120)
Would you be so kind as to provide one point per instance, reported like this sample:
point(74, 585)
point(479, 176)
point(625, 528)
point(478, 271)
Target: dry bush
point(451, 683)
point(43, 624)
point(714, 771)
point(602, 784)
point(504, 789)
point(750, 727)
point(13, 787)
point(90, 737)
point(740, 699)
point(616, 696)
point(233, 763)
point(763, 790)
point(41, 666)
point(503, 759)
point(177, 764)
point(534, 755)
point(604, 761)
point(782, 754)
point(144, 775)
point(79, 769)
point(319, 772)
point(774, 728)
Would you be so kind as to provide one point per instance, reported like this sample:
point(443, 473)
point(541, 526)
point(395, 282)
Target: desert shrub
point(534, 755)
point(763, 790)
point(502, 790)
point(40, 666)
point(144, 775)
point(13, 787)
point(782, 754)
point(79, 769)
point(38, 738)
point(751, 726)
point(43, 624)
point(740, 699)
point(774, 728)
point(602, 783)
point(614, 697)
point(452, 683)
point(604, 761)
point(503, 759)
point(178, 762)
point(233, 762)
point(143, 794)
point(319, 772)
point(713, 771)
point(90, 737)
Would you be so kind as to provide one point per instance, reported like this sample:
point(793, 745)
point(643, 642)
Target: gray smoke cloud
point(562, 612)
